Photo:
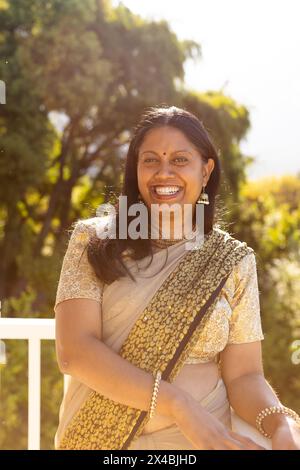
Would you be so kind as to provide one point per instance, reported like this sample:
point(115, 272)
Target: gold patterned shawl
point(158, 340)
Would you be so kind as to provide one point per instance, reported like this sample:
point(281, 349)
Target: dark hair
point(105, 256)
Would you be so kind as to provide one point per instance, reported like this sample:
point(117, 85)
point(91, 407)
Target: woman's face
point(170, 169)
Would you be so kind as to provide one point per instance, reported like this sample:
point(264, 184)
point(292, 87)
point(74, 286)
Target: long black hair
point(105, 255)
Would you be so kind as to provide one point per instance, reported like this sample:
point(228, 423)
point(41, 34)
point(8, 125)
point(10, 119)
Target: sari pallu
point(161, 338)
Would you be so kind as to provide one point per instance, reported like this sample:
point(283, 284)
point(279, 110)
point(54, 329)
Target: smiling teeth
point(167, 189)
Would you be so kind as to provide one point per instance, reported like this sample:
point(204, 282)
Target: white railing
point(34, 330)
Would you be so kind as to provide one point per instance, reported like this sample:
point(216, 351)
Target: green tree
point(78, 74)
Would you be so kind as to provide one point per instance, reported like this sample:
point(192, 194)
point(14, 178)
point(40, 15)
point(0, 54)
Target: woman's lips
point(165, 197)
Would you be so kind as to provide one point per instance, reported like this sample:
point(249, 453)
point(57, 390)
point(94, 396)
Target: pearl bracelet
point(271, 410)
point(154, 393)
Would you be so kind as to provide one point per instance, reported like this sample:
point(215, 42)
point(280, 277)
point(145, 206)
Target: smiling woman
point(180, 333)
point(165, 170)
point(171, 169)
point(165, 132)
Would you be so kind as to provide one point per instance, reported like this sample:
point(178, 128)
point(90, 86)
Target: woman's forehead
point(165, 139)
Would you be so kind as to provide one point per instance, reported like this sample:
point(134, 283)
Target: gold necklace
point(165, 242)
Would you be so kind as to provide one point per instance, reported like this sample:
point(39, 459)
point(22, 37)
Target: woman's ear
point(207, 170)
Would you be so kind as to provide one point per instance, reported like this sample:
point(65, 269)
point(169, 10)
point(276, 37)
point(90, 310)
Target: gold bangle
point(271, 410)
point(154, 393)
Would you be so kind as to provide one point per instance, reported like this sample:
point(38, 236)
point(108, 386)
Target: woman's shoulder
point(246, 266)
point(93, 226)
point(229, 237)
point(237, 244)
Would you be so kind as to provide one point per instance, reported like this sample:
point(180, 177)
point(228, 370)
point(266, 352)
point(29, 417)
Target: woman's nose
point(165, 169)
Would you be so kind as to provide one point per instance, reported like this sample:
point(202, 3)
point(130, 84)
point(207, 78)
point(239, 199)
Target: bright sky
point(251, 50)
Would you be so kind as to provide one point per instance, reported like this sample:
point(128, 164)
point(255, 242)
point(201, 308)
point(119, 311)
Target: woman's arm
point(248, 390)
point(82, 354)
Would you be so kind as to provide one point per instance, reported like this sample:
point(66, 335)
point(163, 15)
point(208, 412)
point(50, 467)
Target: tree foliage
point(78, 75)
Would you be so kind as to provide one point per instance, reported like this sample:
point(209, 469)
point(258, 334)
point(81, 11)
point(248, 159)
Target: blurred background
point(78, 74)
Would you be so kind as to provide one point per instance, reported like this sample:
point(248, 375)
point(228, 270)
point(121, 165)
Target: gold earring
point(203, 199)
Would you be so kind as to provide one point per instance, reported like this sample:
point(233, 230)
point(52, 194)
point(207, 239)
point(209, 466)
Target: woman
point(127, 308)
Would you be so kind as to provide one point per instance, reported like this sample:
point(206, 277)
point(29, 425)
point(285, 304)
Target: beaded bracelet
point(271, 410)
point(155, 392)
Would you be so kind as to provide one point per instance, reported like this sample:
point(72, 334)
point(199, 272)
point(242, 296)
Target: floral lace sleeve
point(77, 277)
point(245, 322)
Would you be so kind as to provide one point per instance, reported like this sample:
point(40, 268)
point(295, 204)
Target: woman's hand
point(286, 436)
point(205, 431)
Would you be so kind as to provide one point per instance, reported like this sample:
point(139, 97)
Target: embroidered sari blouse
point(235, 319)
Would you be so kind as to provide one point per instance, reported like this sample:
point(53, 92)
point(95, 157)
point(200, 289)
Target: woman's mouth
point(165, 192)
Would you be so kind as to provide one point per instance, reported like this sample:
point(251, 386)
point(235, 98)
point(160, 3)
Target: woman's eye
point(182, 159)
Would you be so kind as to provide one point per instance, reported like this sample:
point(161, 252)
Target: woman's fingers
point(249, 443)
point(225, 441)
point(231, 444)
